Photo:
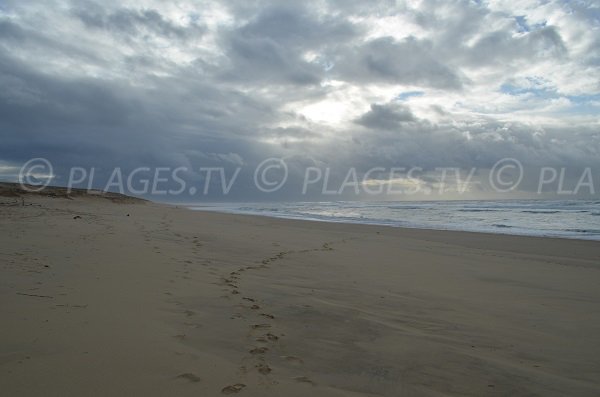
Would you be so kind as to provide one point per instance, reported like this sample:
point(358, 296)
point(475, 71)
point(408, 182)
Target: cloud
point(410, 61)
point(502, 46)
point(339, 84)
point(134, 22)
point(271, 46)
point(386, 117)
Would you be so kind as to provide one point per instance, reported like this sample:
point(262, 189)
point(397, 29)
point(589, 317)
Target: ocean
point(565, 218)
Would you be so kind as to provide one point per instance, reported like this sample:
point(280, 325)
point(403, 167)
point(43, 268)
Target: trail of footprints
point(262, 333)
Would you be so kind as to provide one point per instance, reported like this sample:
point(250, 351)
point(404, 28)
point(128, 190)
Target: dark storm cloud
point(106, 123)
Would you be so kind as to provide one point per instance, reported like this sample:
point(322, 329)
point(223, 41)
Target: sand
point(133, 298)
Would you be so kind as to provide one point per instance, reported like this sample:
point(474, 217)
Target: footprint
point(326, 247)
point(267, 315)
point(189, 376)
point(263, 369)
point(304, 379)
point(254, 307)
point(260, 326)
point(233, 388)
point(249, 299)
point(271, 337)
point(293, 359)
point(259, 350)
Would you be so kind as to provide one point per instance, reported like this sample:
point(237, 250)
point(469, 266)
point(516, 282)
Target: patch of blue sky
point(584, 104)
point(512, 89)
point(523, 26)
point(403, 96)
point(584, 98)
point(536, 85)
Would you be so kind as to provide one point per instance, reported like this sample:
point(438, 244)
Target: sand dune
point(131, 298)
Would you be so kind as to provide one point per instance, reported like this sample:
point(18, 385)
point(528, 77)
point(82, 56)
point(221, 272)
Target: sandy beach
point(107, 297)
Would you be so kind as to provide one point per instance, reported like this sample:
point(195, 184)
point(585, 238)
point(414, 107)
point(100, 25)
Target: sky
point(330, 85)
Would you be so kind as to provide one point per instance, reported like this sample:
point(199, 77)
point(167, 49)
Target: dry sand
point(172, 302)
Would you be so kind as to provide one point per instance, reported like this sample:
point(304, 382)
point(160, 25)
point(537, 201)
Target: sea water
point(565, 218)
